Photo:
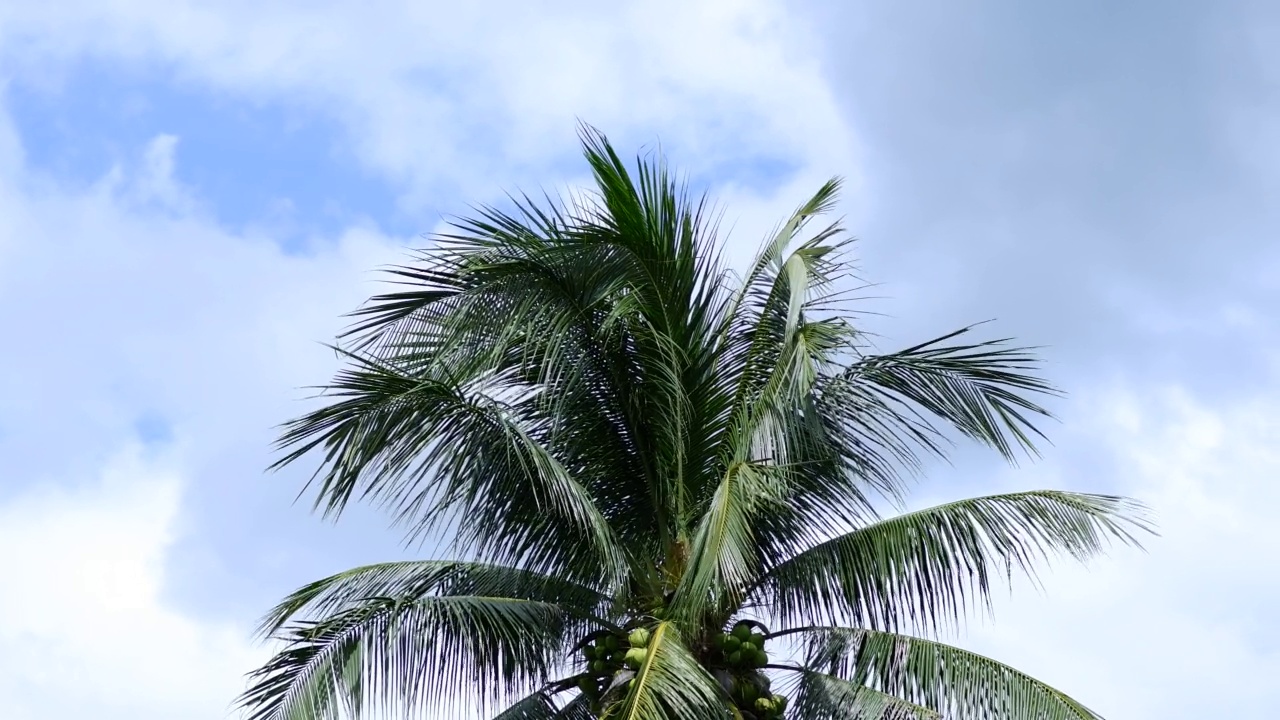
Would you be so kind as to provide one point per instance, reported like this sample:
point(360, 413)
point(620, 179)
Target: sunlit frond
point(924, 568)
point(956, 683)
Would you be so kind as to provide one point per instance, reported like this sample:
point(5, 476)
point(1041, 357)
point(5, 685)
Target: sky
point(193, 192)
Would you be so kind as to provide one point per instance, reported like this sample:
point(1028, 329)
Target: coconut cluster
point(740, 654)
point(735, 658)
point(742, 648)
point(605, 657)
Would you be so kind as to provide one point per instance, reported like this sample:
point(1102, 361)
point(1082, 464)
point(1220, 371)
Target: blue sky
point(193, 192)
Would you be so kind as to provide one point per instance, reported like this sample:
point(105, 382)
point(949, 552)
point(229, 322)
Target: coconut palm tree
point(659, 489)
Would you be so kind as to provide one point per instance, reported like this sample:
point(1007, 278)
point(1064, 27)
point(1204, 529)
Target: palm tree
point(657, 487)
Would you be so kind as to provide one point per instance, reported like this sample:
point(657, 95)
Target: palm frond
point(772, 354)
point(670, 685)
point(819, 696)
point(723, 557)
point(923, 568)
point(956, 683)
point(392, 652)
point(437, 452)
point(977, 388)
point(537, 706)
point(409, 580)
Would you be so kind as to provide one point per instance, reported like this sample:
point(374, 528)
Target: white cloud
point(1187, 629)
point(83, 622)
point(129, 301)
point(475, 96)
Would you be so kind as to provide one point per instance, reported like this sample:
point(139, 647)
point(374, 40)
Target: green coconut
point(599, 666)
point(636, 657)
point(757, 639)
point(742, 631)
point(639, 638)
point(735, 658)
point(732, 644)
point(760, 658)
point(589, 653)
point(610, 642)
point(749, 692)
point(780, 702)
point(618, 656)
point(764, 705)
point(748, 649)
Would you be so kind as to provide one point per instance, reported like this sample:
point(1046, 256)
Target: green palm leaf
point(956, 683)
point(537, 706)
point(974, 387)
point(439, 452)
point(398, 652)
point(417, 579)
point(670, 685)
point(819, 696)
point(922, 568)
point(723, 553)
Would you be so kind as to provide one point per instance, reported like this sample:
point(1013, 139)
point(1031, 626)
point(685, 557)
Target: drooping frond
point(923, 568)
point(978, 388)
point(422, 578)
point(955, 683)
point(670, 685)
point(578, 708)
point(410, 651)
point(437, 452)
point(537, 706)
point(819, 696)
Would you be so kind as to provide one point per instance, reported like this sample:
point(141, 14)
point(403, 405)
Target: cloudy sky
point(193, 191)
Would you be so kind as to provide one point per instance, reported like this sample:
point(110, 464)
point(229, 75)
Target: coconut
point(749, 692)
point(639, 638)
point(732, 644)
point(760, 658)
point(611, 642)
point(735, 658)
point(742, 631)
point(636, 656)
point(599, 666)
point(757, 639)
point(618, 656)
point(780, 702)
